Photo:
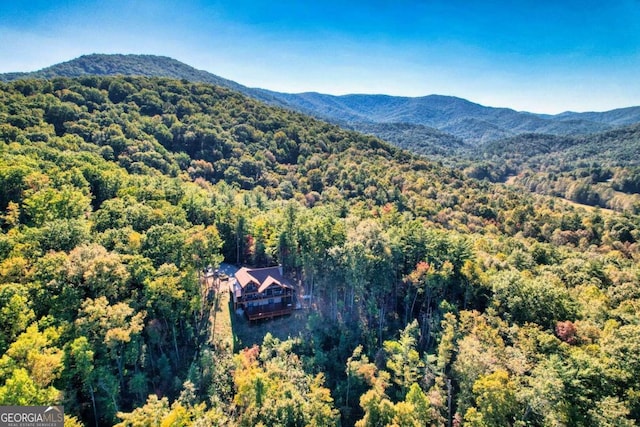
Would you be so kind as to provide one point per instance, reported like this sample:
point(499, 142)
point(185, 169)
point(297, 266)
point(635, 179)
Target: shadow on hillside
point(246, 333)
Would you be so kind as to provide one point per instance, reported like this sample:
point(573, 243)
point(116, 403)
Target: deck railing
point(268, 311)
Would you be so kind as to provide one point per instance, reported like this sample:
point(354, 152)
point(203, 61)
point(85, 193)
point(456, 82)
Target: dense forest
point(430, 125)
point(601, 169)
point(438, 298)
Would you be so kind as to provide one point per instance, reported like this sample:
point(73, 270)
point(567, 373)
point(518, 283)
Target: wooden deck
point(268, 311)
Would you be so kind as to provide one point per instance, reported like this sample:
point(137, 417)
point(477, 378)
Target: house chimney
point(280, 270)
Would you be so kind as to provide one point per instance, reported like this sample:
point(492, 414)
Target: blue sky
point(541, 56)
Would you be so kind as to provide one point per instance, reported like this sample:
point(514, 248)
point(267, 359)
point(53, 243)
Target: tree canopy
point(433, 296)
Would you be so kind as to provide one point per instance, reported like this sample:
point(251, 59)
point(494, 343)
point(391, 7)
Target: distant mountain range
point(471, 122)
point(432, 124)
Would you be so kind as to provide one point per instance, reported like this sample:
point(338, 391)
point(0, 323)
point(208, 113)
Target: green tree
point(610, 412)
point(79, 375)
point(403, 360)
point(172, 297)
point(50, 204)
point(204, 245)
point(416, 410)
point(495, 399)
point(98, 272)
point(15, 313)
point(165, 244)
point(119, 90)
point(29, 368)
point(273, 389)
point(20, 389)
point(114, 332)
point(543, 300)
point(60, 113)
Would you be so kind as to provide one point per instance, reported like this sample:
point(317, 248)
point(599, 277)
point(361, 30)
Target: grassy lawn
point(247, 333)
point(222, 333)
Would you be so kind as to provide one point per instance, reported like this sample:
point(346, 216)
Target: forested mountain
point(471, 122)
point(435, 298)
point(418, 139)
point(617, 117)
point(134, 65)
point(601, 169)
point(616, 148)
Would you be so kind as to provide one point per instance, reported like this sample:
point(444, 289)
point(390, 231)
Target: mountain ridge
point(471, 122)
point(619, 116)
point(133, 65)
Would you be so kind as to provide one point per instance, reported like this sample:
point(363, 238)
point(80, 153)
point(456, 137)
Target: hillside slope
point(116, 193)
point(473, 123)
point(134, 65)
point(618, 147)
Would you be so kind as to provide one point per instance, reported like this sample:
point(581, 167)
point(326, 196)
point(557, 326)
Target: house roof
point(262, 277)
